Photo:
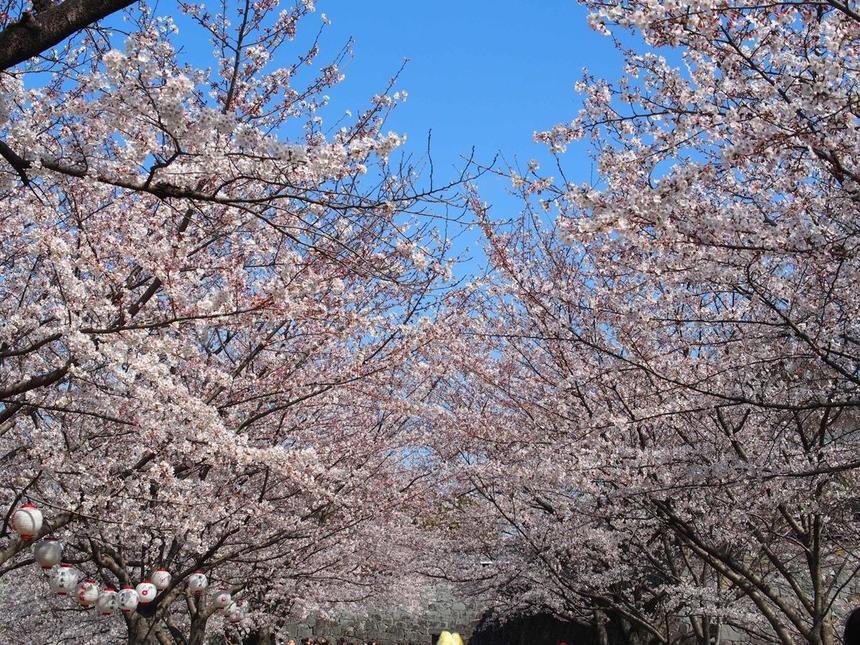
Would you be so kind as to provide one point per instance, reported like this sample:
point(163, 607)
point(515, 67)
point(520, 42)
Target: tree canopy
point(232, 345)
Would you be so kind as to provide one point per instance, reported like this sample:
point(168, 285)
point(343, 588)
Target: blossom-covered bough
point(665, 424)
point(210, 305)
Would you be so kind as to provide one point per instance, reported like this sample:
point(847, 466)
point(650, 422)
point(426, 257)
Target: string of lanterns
point(64, 580)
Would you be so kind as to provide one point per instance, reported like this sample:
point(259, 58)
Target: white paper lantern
point(222, 599)
point(235, 613)
point(64, 580)
point(197, 582)
point(48, 553)
point(107, 602)
point(127, 599)
point(88, 593)
point(27, 521)
point(161, 579)
point(146, 592)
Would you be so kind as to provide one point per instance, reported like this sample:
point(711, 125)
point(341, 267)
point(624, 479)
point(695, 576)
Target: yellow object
point(445, 638)
point(457, 639)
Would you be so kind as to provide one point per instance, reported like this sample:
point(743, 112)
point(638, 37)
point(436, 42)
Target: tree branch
point(35, 33)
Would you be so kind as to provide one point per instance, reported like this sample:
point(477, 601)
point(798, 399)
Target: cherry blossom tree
point(212, 303)
point(664, 421)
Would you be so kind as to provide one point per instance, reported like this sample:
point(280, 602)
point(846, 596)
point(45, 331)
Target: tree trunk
point(198, 630)
point(600, 627)
point(259, 637)
point(137, 630)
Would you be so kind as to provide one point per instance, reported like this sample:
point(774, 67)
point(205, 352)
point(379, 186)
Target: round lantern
point(27, 521)
point(88, 593)
point(146, 592)
point(197, 582)
point(222, 599)
point(64, 580)
point(107, 602)
point(127, 599)
point(235, 613)
point(161, 579)
point(47, 553)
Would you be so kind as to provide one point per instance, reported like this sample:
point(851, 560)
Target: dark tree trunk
point(259, 637)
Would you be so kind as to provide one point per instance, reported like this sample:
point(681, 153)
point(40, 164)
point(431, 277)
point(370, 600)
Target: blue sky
point(483, 73)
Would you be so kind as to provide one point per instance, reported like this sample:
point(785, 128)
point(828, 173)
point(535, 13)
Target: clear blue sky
point(483, 73)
